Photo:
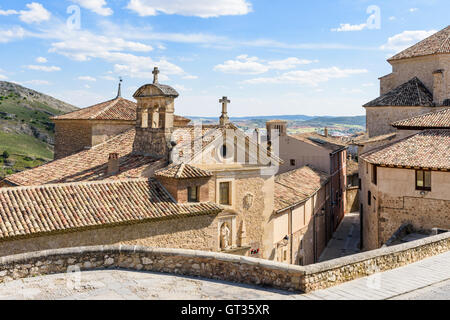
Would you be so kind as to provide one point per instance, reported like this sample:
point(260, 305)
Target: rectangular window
point(193, 194)
point(293, 162)
point(423, 180)
point(359, 184)
point(224, 190)
point(374, 174)
point(369, 198)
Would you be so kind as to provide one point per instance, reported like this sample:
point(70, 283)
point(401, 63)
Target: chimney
point(113, 163)
point(438, 87)
point(119, 91)
point(325, 132)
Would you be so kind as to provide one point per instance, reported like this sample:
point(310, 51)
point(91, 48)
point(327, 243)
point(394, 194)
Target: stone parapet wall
point(221, 266)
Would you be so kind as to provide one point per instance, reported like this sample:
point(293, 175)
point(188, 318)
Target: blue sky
point(269, 57)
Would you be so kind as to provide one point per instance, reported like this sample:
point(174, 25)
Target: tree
point(5, 154)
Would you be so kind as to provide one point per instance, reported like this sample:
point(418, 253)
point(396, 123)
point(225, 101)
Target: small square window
point(193, 194)
point(293, 162)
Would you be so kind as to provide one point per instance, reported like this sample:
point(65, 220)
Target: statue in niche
point(225, 236)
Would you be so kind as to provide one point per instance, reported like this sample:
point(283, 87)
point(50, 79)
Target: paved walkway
point(401, 283)
point(426, 279)
point(345, 240)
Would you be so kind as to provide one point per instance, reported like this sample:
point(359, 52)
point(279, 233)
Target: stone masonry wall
point(423, 214)
point(197, 233)
point(221, 266)
point(65, 143)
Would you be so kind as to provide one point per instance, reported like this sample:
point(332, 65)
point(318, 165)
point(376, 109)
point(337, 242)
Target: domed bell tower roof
point(155, 89)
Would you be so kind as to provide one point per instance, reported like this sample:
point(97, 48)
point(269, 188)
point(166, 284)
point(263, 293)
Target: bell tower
point(155, 116)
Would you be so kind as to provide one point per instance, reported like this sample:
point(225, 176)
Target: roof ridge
point(77, 183)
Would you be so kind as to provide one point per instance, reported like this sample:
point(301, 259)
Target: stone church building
point(135, 173)
point(404, 164)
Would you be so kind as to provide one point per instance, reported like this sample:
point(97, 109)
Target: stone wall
point(65, 143)
point(197, 233)
point(352, 200)
point(379, 119)
point(222, 266)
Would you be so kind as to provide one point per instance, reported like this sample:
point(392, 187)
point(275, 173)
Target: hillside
point(26, 132)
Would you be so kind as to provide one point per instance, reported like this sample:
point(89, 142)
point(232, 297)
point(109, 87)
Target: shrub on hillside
point(5, 154)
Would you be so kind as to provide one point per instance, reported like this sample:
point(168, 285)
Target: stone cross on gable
point(224, 117)
point(119, 91)
point(155, 75)
point(224, 101)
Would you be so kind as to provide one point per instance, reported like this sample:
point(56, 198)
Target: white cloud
point(181, 87)
point(37, 82)
point(87, 78)
point(253, 65)
point(36, 13)
point(311, 77)
point(198, 8)
point(97, 6)
point(3, 77)
point(392, 18)
point(89, 45)
point(43, 68)
point(370, 84)
point(15, 33)
point(41, 60)
point(345, 27)
point(413, 9)
point(406, 39)
point(8, 12)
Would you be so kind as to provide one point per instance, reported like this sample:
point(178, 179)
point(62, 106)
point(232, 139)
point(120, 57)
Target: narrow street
point(345, 240)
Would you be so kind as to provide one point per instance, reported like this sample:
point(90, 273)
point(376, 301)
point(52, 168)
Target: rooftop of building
point(30, 211)
point(88, 165)
point(411, 93)
point(435, 44)
point(328, 142)
point(436, 120)
point(296, 186)
point(117, 109)
point(182, 171)
point(427, 149)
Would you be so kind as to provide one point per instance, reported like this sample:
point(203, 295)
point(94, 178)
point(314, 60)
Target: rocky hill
point(26, 132)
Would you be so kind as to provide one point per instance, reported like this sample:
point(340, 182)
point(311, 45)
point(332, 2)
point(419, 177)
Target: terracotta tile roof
point(361, 140)
point(116, 109)
point(88, 165)
point(437, 43)
point(439, 120)
point(411, 93)
point(30, 211)
point(427, 149)
point(318, 140)
point(183, 171)
point(296, 186)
